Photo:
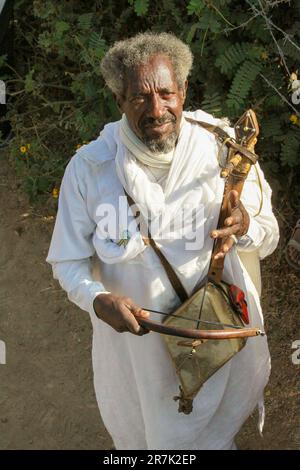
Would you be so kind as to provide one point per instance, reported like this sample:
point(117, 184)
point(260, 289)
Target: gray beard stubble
point(161, 145)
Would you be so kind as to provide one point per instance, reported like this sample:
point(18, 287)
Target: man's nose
point(156, 107)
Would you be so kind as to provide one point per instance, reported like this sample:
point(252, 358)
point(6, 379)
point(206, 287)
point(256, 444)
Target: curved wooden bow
point(199, 334)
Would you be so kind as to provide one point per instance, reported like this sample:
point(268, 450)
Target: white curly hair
point(137, 50)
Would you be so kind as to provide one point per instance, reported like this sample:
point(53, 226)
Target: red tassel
point(237, 297)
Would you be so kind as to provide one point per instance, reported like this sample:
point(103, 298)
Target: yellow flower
point(78, 146)
point(264, 55)
point(293, 77)
point(55, 193)
point(293, 118)
point(85, 142)
point(25, 148)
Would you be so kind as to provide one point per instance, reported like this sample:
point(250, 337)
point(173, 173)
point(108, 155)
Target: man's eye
point(167, 94)
point(138, 99)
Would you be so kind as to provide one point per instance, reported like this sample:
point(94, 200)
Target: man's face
point(153, 103)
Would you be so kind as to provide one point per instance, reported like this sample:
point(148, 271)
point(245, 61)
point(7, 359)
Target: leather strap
point(173, 278)
point(224, 137)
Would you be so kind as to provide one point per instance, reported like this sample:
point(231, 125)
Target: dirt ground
point(47, 399)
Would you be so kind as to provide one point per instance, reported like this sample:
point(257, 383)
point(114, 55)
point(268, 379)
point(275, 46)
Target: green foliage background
point(59, 99)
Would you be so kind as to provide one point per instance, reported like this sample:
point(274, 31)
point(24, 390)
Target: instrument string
point(190, 319)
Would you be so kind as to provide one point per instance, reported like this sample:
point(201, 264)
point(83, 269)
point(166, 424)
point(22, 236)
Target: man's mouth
point(158, 127)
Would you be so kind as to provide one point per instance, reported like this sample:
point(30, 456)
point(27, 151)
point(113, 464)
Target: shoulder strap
point(225, 139)
point(173, 278)
point(217, 131)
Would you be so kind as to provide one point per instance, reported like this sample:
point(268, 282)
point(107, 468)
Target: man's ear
point(119, 101)
point(184, 89)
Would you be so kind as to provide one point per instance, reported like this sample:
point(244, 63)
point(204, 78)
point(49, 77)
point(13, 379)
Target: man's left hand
point(236, 224)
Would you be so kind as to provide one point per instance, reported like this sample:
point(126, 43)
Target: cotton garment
point(134, 378)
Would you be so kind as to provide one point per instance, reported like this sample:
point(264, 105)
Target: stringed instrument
point(219, 308)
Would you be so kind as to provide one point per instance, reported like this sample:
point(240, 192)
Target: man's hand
point(119, 313)
point(236, 224)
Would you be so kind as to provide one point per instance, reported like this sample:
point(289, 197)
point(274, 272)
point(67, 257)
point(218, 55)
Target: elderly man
point(163, 161)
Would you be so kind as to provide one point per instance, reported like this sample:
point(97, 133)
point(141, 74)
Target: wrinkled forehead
point(156, 73)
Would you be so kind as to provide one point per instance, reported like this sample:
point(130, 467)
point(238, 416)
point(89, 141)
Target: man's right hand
point(120, 313)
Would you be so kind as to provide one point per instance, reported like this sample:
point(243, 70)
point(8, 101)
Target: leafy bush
point(246, 54)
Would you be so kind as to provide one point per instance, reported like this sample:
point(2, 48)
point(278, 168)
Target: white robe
point(133, 376)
